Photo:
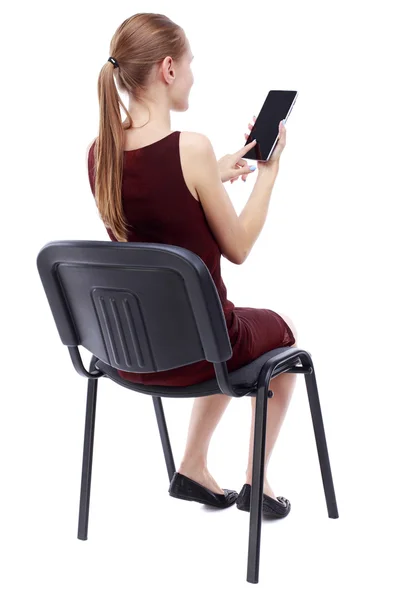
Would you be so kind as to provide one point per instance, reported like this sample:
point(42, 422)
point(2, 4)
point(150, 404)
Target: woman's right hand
point(276, 154)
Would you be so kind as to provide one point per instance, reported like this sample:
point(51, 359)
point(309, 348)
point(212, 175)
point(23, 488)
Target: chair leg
point(257, 484)
point(87, 459)
point(162, 427)
point(253, 561)
point(320, 439)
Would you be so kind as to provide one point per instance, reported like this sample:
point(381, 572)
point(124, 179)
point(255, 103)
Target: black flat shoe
point(278, 508)
point(187, 489)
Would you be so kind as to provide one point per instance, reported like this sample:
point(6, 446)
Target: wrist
point(269, 171)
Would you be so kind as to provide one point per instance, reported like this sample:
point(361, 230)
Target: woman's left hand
point(232, 166)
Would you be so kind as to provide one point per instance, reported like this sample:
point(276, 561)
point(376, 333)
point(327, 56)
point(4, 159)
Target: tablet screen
point(277, 107)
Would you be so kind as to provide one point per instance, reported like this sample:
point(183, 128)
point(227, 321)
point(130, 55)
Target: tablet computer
point(277, 107)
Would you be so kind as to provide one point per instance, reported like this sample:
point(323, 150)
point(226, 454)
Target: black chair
point(143, 307)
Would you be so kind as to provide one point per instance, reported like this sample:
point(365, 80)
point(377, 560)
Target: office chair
point(143, 307)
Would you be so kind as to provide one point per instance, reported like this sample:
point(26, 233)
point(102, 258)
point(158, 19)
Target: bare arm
point(255, 212)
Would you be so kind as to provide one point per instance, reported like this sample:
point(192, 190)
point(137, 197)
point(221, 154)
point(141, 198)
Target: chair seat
point(243, 380)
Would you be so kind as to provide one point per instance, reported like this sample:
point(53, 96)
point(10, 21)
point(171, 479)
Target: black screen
point(276, 107)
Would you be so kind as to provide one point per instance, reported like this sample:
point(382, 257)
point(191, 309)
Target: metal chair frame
point(82, 282)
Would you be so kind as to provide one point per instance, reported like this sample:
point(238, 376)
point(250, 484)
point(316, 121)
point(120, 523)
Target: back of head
point(137, 48)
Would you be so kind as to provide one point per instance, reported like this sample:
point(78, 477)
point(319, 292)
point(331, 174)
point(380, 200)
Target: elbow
point(234, 259)
point(242, 257)
point(243, 247)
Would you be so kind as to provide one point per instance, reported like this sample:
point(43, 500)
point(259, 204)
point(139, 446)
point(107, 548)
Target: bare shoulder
point(89, 147)
point(193, 148)
point(198, 158)
point(193, 140)
point(91, 144)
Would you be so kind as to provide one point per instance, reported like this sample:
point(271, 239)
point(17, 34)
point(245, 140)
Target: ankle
point(192, 466)
point(249, 479)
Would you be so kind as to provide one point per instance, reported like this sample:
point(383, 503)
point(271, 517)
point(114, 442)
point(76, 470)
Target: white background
point(328, 256)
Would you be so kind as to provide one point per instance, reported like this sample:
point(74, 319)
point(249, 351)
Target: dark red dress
point(160, 208)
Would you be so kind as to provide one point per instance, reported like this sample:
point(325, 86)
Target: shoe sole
point(201, 501)
point(266, 511)
point(184, 488)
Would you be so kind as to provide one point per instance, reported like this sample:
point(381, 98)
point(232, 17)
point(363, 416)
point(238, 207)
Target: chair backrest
point(138, 307)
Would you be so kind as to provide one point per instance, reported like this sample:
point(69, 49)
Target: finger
point(248, 172)
point(245, 171)
point(244, 150)
point(250, 126)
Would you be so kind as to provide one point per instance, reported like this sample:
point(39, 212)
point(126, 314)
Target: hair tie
point(114, 62)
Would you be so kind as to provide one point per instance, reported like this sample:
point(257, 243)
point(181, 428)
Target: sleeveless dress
point(160, 208)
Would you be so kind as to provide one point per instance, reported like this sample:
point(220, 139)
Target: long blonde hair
point(139, 43)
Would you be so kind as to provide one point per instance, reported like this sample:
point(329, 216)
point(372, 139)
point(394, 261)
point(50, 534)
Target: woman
point(157, 186)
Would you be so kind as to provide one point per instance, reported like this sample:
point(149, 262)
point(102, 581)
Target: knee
point(292, 326)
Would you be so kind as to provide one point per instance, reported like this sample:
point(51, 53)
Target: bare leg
point(206, 414)
point(282, 386)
